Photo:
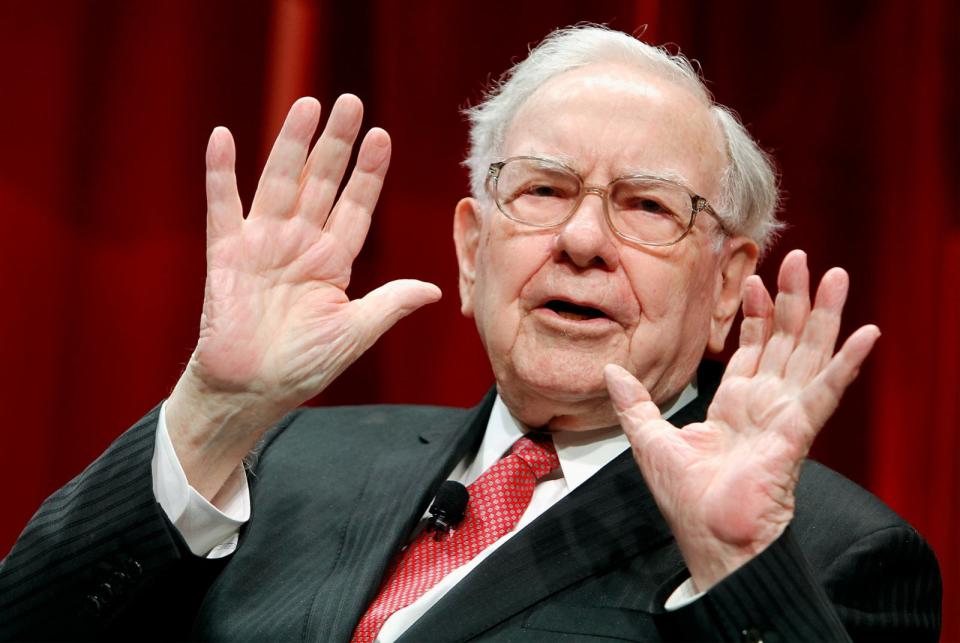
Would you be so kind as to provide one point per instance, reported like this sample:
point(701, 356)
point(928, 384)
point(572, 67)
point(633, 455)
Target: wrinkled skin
point(662, 306)
point(726, 485)
point(277, 326)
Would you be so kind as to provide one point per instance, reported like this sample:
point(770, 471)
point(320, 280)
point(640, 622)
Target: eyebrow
point(668, 175)
point(628, 171)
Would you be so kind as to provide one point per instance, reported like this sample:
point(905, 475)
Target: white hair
point(749, 193)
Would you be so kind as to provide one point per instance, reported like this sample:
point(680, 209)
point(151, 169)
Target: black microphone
point(448, 508)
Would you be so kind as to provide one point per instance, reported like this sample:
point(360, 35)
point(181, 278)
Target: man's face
point(650, 310)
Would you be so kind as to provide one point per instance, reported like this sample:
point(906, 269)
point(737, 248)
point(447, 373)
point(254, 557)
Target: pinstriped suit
point(335, 493)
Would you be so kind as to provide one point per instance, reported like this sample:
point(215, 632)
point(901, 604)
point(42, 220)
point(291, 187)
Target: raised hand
point(277, 326)
point(726, 485)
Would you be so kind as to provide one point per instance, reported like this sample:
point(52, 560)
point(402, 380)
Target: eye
point(546, 187)
point(652, 199)
point(652, 206)
point(543, 190)
point(537, 183)
point(646, 205)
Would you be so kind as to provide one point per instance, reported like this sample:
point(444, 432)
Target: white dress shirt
point(213, 532)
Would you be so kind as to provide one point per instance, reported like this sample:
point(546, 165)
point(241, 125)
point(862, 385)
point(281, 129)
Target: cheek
point(676, 299)
point(505, 264)
point(663, 287)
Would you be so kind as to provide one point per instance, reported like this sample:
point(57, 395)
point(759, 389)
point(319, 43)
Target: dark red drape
point(107, 105)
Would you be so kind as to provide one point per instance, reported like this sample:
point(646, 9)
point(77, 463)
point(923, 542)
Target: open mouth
point(572, 311)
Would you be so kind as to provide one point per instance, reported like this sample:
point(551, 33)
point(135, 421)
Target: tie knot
point(538, 452)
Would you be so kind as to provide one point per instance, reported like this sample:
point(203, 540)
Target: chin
point(554, 389)
point(559, 368)
point(559, 404)
point(566, 386)
point(555, 380)
point(563, 377)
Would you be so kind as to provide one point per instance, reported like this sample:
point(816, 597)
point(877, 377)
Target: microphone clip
point(448, 508)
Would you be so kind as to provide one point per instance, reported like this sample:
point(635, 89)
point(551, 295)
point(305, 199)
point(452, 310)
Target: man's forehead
point(630, 84)
point(620, 121)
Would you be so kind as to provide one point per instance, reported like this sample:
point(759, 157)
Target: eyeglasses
point(648, 210)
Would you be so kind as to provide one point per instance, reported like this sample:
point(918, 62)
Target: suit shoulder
point(823, 490)
point(834, 513)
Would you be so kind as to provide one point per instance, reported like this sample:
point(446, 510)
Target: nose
point(586, 239)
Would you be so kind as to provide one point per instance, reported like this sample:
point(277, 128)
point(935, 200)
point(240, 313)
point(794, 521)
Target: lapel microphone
point(448, 508)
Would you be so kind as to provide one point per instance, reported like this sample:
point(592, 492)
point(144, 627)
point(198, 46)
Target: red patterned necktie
point(498, 499)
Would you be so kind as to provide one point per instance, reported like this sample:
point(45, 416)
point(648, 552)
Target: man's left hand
point(726, 485)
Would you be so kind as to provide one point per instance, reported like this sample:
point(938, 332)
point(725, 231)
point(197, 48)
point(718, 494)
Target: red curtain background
point(105, 113)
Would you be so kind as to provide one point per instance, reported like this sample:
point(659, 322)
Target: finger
point(383, 307)
point(328, 161)
point(280, 181)
point(224, 209)
point(350, 218)
point(637, 413)
point(822, 328)
point(791, 309)
point(821, 397)
point(754, 331)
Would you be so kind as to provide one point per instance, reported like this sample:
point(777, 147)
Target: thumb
point(383, 307)
point(638, 414)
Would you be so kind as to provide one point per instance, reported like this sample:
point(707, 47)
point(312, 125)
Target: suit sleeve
point(884, 587)
point(100, 555)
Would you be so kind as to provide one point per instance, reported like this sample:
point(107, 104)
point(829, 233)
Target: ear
point(738, 262)
point(466, 236)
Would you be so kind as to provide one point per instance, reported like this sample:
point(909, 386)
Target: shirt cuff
point(207, 530)
point(683, 596)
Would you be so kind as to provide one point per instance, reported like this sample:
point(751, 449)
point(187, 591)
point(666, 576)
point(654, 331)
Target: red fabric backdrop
point(106, 108)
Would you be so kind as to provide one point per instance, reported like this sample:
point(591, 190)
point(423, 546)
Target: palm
point(735, 472)
point(276, 318)
point(273, 291)
point(726, 485)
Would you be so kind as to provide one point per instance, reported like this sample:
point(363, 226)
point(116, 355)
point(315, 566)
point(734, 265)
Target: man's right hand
point(277, 325)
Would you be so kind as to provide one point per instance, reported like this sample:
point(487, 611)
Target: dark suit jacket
point(336, 492)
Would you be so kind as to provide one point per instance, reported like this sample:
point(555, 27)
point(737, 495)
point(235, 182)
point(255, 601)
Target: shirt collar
point(581, 453)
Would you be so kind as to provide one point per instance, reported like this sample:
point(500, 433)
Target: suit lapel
point(407, 478)
point(403, 484)
point(610, 518)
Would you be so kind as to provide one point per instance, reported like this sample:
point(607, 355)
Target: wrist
point(710, 559)
point(211, 431)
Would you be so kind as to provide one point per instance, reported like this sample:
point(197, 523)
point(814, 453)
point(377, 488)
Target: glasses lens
point(650, 210)
point(535, 191)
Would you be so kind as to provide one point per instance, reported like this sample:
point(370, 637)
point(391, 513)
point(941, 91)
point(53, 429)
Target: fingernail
point(378, 145)
point(623, 390)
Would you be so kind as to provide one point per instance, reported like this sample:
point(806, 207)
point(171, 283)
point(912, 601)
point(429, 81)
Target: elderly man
point(616, 220)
